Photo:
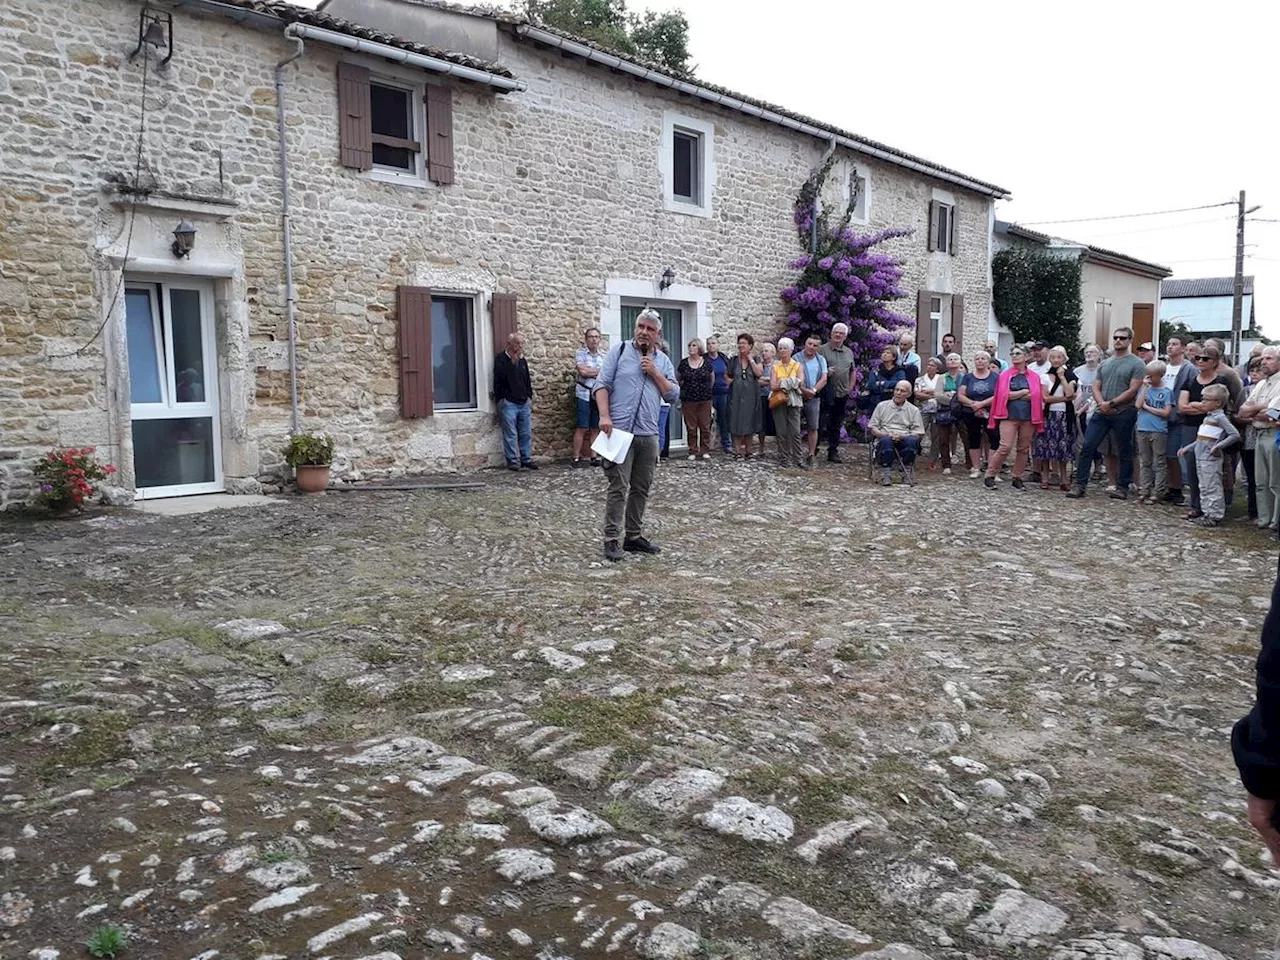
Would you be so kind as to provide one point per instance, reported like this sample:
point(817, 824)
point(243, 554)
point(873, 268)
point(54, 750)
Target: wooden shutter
point(503, 309)
point(951, 224)
point(439, 133)
point(355, 124)
point(413, 306)
point(1144, 324)
point(926, 329)
point(933, 224)
point(957, 321)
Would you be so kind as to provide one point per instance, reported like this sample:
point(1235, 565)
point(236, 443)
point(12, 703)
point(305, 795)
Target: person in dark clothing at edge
point(513, 391)
point(1255, 740)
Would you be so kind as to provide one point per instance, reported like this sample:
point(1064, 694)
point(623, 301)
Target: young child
point(1155, 403)
point(1214, 435)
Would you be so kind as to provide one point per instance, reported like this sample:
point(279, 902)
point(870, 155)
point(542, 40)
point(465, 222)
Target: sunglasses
point(1119, 338)
point(1198, 359)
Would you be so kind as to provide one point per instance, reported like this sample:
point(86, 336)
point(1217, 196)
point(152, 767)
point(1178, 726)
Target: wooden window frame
point(416, 93)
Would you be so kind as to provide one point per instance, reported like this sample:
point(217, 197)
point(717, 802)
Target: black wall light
point(184, 238)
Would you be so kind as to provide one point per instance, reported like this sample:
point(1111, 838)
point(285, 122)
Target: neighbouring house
point(1116, 290)
point(1204, 306)
point(451, 175)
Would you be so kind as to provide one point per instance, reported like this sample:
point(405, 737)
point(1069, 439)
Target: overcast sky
point(1086, 109)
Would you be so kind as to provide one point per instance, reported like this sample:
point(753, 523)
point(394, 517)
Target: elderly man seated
point(897, 426)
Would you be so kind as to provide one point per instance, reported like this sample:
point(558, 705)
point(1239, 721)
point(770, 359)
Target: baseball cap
point(1146, 346)
point(1038, 345)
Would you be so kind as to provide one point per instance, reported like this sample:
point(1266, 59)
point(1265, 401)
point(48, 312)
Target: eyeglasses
point(1198, 359)
point(1119, 338)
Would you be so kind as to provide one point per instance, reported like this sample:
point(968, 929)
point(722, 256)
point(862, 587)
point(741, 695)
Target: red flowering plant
point(69, 477)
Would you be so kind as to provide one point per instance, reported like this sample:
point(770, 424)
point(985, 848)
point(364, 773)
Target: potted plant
point(310, 455)
point(68, 478)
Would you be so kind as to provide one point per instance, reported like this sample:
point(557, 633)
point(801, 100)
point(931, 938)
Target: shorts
point(588, 415)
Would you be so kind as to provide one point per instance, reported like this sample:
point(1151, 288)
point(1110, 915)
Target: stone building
point(450, 173)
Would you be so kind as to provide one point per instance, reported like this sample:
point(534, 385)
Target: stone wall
point(558, 191)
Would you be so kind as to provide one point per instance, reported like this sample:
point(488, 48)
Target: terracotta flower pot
point(312, 478)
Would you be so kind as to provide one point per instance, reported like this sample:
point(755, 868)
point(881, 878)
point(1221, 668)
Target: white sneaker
point(1111, 488)
point(999, 479)
point(946, 471)
point(706, 456)
point(693, 456)
point(974, 474)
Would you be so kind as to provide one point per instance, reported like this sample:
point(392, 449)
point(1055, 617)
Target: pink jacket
point(1000, 408)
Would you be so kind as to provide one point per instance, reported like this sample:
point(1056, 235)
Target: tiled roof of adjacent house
point(755, 104)
point(288, 13)
point(1203, 287)
point(1124, 258)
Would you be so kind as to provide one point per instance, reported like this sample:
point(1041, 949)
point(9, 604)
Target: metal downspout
point(290, 295)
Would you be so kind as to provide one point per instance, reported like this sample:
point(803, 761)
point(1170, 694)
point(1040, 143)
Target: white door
point(673, 333)
point(173, 386)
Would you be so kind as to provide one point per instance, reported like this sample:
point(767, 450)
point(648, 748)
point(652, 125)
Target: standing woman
point(944, 421)
point(696, 385)
point(1086, 373)
point(1056, 445)
point(1019, 410)
point(927, 387)
point(720, 390)
point(744, 396)
point(977, 393)
point(786, 381)
point(767, 357)
point(1191, 413)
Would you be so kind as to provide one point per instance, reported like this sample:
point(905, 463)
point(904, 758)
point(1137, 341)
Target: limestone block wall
point(558, 192)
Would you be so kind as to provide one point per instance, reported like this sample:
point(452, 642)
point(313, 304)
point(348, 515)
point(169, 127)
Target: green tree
point(1173, 328)
point(1037, 296)
point(661, 38)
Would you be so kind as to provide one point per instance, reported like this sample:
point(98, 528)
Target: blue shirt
point(719, 367)
point(814, 370)
point(1019, 409)
point(634, 399)
point(1160, 398)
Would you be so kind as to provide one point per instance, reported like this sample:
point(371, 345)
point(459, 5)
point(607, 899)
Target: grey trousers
point(629, 483)
point(1267, 473)
point(1213, 503)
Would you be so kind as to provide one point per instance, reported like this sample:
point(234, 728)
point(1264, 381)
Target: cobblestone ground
point(399, 725)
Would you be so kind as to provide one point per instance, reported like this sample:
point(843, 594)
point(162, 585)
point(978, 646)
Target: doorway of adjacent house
point(173, 387)
point(673, 332)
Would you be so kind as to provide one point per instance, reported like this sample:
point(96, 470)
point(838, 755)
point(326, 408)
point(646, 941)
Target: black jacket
point(511, 381)
point(1255, 741)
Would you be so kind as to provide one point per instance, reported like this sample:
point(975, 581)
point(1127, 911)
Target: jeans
point(697, 425)
point(833, 410)
point(664, 432)
point(1153, 478)
point(1120, 425)
point(517, 422)
point(1015, 438)
point(629, 483)
point(721, 403)
point(907, 448)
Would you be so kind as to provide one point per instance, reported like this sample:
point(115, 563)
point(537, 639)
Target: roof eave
point(1105, 258)
point(614, 62)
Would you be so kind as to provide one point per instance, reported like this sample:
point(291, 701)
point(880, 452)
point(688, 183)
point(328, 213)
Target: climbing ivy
point(1037, 296)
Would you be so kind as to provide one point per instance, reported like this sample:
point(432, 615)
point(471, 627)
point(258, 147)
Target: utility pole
point(1237, 302)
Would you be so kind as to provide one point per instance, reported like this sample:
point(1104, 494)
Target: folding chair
point(898, 466)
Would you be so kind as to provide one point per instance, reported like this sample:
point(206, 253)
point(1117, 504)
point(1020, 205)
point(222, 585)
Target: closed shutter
point(1144, 324)
point(503, 310)
point(926, 330)
point(355, 124)
point(439, 134)
point(933, 225)
point(414, 313)
point(951, 222)
point(957, 321)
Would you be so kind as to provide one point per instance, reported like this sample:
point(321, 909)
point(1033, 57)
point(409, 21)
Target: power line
point(1167, 226)
point(1129, 216)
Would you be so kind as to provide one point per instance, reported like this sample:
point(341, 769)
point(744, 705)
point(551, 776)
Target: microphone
point(644, 349)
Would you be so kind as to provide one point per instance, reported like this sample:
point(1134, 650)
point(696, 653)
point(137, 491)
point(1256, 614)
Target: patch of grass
point(613, 721)
point(338, 695)
point(629, 815)
point(198, 635)
point(379, 654)
point(424, 695)
point(813, 795)
point(1093, 893)
point(101, 739)
point(109, 781)
point(107, 941)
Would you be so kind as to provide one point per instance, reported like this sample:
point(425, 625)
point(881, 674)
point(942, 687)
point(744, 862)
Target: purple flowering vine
point(844, 280)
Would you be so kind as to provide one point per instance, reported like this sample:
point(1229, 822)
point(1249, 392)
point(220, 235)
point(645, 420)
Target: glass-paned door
point(173, 387)
point(673, 336)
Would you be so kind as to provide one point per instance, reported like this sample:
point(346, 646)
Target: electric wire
point(1129, 216)
point(133, 216)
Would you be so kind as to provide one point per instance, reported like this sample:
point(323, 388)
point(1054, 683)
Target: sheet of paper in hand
point(613, 447)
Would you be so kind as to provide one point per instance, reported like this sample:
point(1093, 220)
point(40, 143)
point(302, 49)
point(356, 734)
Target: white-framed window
point(454, 351)
point(860, 181)
point(688, 166)
point(941, 227)
point(935, 321)
point(397, 123)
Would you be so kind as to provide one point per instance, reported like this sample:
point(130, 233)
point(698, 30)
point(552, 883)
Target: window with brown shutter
point(933, 224)
point(957, 321)
point(439, 134)
point(354, 129)
point(503, 310)
point(413, 309)
point(951, 230)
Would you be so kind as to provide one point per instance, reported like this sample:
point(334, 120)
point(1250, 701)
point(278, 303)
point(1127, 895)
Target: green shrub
point(309, 450)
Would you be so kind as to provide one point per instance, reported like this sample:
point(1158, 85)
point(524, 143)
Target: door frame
point(210, 406)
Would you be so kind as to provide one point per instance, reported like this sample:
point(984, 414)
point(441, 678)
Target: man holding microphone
point(634, 381)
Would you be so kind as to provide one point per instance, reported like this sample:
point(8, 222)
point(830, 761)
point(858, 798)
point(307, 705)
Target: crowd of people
point(1174, 429)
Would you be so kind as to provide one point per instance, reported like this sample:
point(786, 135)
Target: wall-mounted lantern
point(668, 278)
point(184, 238)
